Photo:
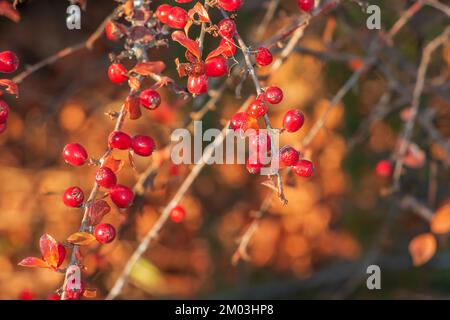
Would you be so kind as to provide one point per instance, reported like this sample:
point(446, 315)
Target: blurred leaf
point(49, 250)
point(147, 276)
point(422, 248)
point(11, 87)
point(33, 262)
point(81, 238)
point(114, 164)
point(7, 10)
point(440, 222)
point(97, 210)
point(148, 68)
point(90, 293)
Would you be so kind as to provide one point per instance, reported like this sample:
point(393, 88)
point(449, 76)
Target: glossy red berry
point(53, 296)
point(303, 168)
point(216, 67)
point(384, 168)
point(73, 197)
point(26, 295)
point(257, 109)
point(105, 177)
point(122, 196)
point(143, 145)
point(263, 57)
point(253, 164)
point(119, 140)
point(293, 120)
point(75, 154)
point(4, 111)
point(177, 214)
point(112, 32)
point(227, 28)
point(162, 12)
point(273, 95)
point(197, 84)
point(238, 120)
point(104, 233)
point(117, 73)
point(231, 45)
point(150, 99)
point(177, 18)
point(259, 144)
point(288, 156)
point(3, 127)
point(305, 5)
point(230, 5)
point(74, 291)
point(8, 62)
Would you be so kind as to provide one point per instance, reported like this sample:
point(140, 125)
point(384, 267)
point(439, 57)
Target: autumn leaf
point(133, 107)
point(114, 164)
point(440, 222)
point(97, 210)
point(50, 250)
point(148, 68)
point(422, 248)
point(90, 293)
point(197, 11)
point(81, 238)
point(222, 50)
point(34, 262)
point(8, 10)
point(189, 44)
point(11, 86)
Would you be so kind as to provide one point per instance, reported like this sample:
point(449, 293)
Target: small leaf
point(7, 10)
point(133, 107)
point(114, 164)
point(200, 11)
point(148, 68)
point(221, 50)
point(90, 293)
point(33, 262)
point(134, 83)
point(189, 44)
point(440, 222)
point(81, 238)
point(11, 86)
point(49, 250)
point(131, 160)
point(422, 248)
point(97, 210)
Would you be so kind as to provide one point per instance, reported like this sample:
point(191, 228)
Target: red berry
point(288, 156)
point(384, 168)
point(259, 144)
point(216, 67)
point(257, 109)
point(3, 127)
point(122, 196)
point(53, 296)
point(227, 28)
point(119, 140)
point(230, 44)
point(293, 120)
point(104, 233)
point(253, 164)
point(26, 295)
point(177, 18)
point(197, 84)
point(238, 120)
point(72, 291)
point(4, 111)
point(75, 154)
point(143, 145)
point(8, 62)
point(162, 12)
point(105, 177)
point(73, 197)
point(112, 32)
point(177, 214)
point(263, 57)
point(303, 168)
point(150, 99)
point(61, 254)
point(230, 5)
point(273, 95)
point(305, 5)
point(117, 73)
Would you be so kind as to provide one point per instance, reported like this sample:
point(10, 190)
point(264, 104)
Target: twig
point(270, 12)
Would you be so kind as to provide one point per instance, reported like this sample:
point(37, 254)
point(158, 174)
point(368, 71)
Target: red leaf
point(114, 164)
point(33, 262)
point(148, 68)
point(222, 50)
point(7, 10)
point(11, 86)
point(199, 10)
point(49, 250)
point(189, 44)
point(97, 210)
point(133, 107)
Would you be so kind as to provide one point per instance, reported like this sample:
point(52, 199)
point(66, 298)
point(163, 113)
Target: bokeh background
point(316, 247)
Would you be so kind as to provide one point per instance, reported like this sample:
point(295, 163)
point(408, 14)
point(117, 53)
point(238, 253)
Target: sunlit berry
point(253, 164)
point(4, 111)
point(150, 99)
point(227, 28)
point(119, 140)
point(143, 145)
point(112, 32)
point(122, 196)
point(105, 177)
point(384, 168)
point(303, 168)
point(263, 57)
point(257, 109)
point(162, 12)
point(288, 156)
point(273, 95)
point(117, 73)
point(230, 5)
point(216, 67)
point(177, 18)
point(26, 295)
point(104, 233)
point(293, 120)
point(305, 5)
point(238, 120)
point(75, 154)
point(177, 214)
point(8, 62)
point(197, 84)
point(73, 197)
point(259, 144)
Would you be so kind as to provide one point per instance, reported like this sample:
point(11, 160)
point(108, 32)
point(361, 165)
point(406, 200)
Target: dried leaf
point(33, 262)
point(8, 10)
point(131, 160)
point(148, 68)
point(200, 11)
point(440, 222)
point(133, 107)
point(114, 164)
point(11, 86)
point(422, 248)
point(222, 50)
point(97, 210)
point(189, 44)
point(81, 238)
point(49, 250)
point(90, 293)
point(134, 83)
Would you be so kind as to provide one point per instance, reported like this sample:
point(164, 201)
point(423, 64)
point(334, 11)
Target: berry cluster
point(8, 64)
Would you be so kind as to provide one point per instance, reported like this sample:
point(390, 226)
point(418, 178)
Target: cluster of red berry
point(8, 63)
